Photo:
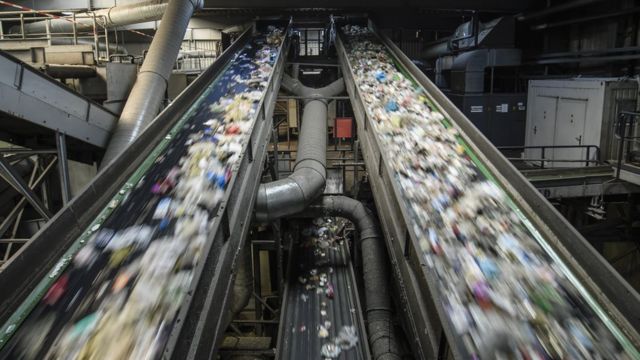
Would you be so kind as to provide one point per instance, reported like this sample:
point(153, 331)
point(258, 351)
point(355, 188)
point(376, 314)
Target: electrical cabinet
point(567, 115)
point(500, 117)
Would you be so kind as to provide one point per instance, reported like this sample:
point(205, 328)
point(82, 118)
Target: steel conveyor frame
point(432, 336)
point(202, 318)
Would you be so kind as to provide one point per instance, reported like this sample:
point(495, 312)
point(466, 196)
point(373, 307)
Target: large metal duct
point(148, 92)
point(295, 86)
point(291, 195)
point(243, 283)
point(119, 15)
point(382, 337)
point(467, 69)
point(113, 48)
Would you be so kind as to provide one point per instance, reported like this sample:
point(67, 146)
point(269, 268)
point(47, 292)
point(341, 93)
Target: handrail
point(626, 122)
point(543, 150)
point(95, 32)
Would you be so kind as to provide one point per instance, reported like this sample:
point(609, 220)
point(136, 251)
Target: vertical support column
point(275, 153)
point(356, 168)
point(63, 167)
point(48, 31)
point(75, 29)
point(257, 285)
point(106, 40)
point(22, 24)
point(95, 36)
point(277, 234)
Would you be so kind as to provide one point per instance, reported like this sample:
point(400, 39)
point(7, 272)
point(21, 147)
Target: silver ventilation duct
point(292, 195)
point(119, 15)
point(148, 92)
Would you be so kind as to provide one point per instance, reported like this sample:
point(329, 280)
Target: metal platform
point(431, 332)
point(202, 318)
point(35, 100)
point(630, 173)
point(579, 182)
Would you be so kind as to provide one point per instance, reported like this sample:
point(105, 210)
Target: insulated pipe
point(436, 50)
point(148, 91)
point(243, 284)
point(118, 15)
point(296, 87)
point(292, 195)
point(113, 48)
point(382, 337)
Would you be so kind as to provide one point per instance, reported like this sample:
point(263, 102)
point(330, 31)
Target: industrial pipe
point(115, 16)
point(113, 48)
point(148, 92)
point(295, 86)
point(436, 50)
point(291, 195)
point(243, 283)
point(382, 337)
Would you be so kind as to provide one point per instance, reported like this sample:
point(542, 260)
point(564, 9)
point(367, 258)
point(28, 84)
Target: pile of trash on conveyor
point(119, 297)
point(321, 238)
point(503, 293)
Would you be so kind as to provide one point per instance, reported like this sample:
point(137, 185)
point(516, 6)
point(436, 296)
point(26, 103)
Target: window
point(311, 42)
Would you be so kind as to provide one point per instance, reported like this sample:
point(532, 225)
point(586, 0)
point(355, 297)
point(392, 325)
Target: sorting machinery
point(200, 321)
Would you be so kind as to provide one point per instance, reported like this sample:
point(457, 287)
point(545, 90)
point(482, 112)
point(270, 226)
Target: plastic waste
point(500, 287)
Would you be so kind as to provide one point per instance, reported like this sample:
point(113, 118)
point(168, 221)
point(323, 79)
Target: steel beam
point(6, 223)
point(63, 167)
point(14, 179)
point(27, 151)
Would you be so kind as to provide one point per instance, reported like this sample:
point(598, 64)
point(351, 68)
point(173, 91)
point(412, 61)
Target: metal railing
point(626, 132)
point(94, 33)
point(197, 55)
point(549, 149)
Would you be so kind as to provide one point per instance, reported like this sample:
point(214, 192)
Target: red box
point(344, 127)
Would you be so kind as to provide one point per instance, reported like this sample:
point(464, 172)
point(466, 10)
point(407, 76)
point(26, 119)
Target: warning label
point(502, 108)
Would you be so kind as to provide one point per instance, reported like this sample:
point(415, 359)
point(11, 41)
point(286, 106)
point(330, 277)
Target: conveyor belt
point(306, 308)
point(453, 301)
point(140, 265)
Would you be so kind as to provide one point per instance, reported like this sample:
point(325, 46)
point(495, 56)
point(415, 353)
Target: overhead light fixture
point(68, 13)
point(311, 72)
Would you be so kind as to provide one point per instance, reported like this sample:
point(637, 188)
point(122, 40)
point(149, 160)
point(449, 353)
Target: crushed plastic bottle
point(330, 350)
point(347, 337)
